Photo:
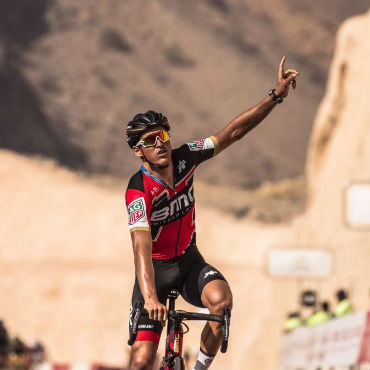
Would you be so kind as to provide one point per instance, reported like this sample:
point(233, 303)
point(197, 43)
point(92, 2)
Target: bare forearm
point(145, 273)
point(250, 118)
point(244, 122)
point(142, 245)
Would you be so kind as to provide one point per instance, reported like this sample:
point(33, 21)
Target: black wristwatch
point(274, 97)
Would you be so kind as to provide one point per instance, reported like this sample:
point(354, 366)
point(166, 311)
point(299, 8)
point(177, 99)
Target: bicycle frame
point(174, 339)
point(172, 360)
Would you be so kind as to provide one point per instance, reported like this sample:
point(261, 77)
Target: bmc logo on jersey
point(136, 210)
point(196, 145)
point(178, 206)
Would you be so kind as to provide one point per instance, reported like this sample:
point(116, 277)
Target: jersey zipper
point(174, 190)
point(178, 237)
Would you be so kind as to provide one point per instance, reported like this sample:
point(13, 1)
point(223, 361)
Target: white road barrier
point(336, 344)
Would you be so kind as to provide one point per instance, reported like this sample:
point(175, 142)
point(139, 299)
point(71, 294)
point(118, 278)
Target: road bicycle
point(172, 360)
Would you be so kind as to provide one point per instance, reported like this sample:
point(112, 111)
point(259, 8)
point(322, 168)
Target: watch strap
point(274, 97)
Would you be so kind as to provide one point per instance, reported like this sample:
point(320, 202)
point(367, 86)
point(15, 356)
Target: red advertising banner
point(364, 355)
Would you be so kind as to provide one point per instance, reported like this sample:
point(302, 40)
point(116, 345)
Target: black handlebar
point(179, 316)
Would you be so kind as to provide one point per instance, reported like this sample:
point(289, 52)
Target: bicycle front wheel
point(178, 364)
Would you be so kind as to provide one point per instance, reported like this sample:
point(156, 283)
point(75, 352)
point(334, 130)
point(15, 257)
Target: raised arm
point(249, 119)
point(142, 246)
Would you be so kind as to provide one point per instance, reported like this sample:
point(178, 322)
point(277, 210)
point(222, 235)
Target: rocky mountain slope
point(73, 73)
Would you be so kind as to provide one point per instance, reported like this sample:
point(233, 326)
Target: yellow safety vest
point(344, 308)
point(292, 323)
point(318, 318)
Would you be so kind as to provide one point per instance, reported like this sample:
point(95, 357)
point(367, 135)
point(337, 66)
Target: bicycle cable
point(182, 323)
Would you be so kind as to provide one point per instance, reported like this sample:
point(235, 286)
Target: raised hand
point(285, 79)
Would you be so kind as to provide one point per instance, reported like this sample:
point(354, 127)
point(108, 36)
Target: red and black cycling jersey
point(168, 213)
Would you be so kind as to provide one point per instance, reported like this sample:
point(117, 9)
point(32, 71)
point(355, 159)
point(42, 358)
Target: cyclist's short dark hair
point(143, 122)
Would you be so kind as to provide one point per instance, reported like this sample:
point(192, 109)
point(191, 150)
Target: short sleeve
point(137, 210)
point(203, 149)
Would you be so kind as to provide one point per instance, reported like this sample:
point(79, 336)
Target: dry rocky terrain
point(73, 73)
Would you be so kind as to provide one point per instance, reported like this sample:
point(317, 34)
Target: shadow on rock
point(24, 127)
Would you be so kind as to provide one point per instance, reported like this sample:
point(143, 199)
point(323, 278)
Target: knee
point(142, 363)
point(143, 355)
point(219, 300)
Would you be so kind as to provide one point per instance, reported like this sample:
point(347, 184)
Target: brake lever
point(225, 330)
point(135, 324)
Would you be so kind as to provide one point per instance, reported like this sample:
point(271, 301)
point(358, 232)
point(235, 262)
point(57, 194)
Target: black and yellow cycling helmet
point(143, 122)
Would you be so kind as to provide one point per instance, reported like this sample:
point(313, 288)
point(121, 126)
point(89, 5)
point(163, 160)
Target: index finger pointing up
point(281, 69)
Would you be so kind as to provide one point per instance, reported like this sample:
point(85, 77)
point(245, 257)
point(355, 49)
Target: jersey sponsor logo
point(209, 273)
point(154, 191)
point(146, 326)
point(178, 206)
point(136, 210)
point(181, 165)
point(196, 145)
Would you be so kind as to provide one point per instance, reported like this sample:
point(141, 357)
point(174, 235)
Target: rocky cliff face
point(339, 144)
point(72, 73)
point(65, 254)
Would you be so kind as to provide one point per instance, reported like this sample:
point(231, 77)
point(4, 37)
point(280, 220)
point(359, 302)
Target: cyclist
point(160, 204)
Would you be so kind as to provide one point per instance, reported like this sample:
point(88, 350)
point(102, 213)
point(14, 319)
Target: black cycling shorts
point(188, 273)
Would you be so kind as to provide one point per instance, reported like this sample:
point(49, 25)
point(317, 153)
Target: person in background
point(4, 345)
point(18, 358)
point(320, 316)
point(344, 306)
point(293, 321)
point(37, 354)
point(309, 302)
point(187, 358)
point(325, 305)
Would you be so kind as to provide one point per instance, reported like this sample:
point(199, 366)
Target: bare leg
point(216, 296)
point(143, 355)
